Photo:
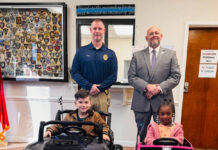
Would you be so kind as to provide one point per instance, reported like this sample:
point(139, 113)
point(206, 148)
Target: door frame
point(189, 25)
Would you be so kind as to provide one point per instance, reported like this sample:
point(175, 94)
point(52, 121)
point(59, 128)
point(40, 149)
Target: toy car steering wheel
point(80, 129)
point(165, 141)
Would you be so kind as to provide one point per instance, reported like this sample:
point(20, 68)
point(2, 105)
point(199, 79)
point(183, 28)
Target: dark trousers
point(142, 120)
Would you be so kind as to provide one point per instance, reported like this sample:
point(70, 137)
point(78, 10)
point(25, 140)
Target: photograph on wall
point(33, 41)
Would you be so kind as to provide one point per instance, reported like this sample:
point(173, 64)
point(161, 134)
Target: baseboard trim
point(20, 139)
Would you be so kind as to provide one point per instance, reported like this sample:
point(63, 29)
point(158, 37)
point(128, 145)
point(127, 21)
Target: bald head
point(154, 36)
point(153, 28)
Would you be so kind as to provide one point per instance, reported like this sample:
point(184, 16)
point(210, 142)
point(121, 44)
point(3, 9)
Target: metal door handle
point(186, 84)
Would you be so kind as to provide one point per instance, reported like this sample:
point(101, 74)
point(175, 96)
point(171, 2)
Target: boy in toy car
point(82, 113)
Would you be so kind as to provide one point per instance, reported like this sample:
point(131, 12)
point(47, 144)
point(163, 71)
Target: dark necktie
point(153, 61)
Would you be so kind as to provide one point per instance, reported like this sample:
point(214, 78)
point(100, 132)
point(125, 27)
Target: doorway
point(200, 102)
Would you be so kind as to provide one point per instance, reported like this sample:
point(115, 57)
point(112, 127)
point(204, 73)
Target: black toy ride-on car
point(76, 139)
point(68, 140)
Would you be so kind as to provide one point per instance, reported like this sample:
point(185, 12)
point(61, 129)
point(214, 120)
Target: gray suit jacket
point(166, 72)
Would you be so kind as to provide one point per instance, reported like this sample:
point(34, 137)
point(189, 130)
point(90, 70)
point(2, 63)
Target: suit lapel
point(147, 60)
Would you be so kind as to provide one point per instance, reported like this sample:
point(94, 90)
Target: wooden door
point(200, 103)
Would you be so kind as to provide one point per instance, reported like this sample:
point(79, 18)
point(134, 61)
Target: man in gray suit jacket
point(153, 73)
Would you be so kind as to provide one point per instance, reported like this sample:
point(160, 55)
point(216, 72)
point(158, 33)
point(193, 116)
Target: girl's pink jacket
point(153, 133)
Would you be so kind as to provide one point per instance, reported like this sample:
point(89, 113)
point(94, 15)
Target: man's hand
point(149, 95)
point(106, 137)
point(47, 133)
point(94, 90)
point(152, 89)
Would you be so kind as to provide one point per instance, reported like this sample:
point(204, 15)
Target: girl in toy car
point(165, 126)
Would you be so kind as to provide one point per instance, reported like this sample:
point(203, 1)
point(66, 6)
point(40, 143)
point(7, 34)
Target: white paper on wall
point(207, 71)
point(209, 56)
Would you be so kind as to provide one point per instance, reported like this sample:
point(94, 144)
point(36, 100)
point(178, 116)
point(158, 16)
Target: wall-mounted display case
point(33, 41)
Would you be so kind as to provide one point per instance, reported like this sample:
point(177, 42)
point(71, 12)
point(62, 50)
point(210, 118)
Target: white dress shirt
point(150, 52)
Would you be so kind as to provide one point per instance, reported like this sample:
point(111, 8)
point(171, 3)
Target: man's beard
point(154, 44)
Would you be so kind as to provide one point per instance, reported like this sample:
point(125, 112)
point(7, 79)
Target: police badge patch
point(105, 57)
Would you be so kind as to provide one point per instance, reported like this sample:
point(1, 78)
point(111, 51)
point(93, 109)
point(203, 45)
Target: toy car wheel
point(117, 147)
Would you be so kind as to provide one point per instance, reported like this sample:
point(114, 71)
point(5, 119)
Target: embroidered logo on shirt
point(105, 57)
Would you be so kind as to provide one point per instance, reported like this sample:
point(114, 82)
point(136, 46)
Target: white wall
point(170, 15)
